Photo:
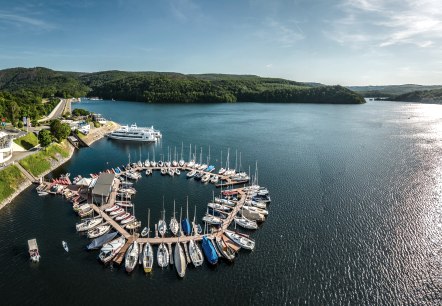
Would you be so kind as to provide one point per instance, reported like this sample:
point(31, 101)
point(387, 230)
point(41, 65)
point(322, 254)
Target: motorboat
point(209, 251)
point(224, 201)
point(251, 215)
point(162, 227)
point(144, 232)
point(241, 240)
point(131, 258)
point(124, 203)
point(110, 249)
point(147, 257)
point(191, 174)
point(205, 178)
point(148, 172)
point(256, 209)
point(110, 209)
point(65, 246)
point(122, 217)
point(162, 256)
point(195, 253)
point(33, 250)
point(174, 226)
point(214, 179)
point(117, 212)
point(128, 220)
point(134, 133)
point(132, 225)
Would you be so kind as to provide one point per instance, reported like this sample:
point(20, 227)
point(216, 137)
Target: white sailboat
point(131, 258)
point(148, 250)
point(162, 225)
point(179, 257)
point(173, 225)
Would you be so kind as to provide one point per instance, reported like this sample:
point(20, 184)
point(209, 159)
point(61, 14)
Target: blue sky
point(347, 42)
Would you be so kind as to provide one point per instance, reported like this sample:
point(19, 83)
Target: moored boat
point(162, 256)
point(131, 258)
point(241, 240)
point(195, 253)
point(209, 251)
point(110, 249)
point(179, 260)
point(147, 258)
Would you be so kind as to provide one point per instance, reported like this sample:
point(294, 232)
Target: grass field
point(10, 179)
point(28, 141)
point(40, 162)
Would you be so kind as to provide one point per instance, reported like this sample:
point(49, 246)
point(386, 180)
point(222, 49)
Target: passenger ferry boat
point(135, 133)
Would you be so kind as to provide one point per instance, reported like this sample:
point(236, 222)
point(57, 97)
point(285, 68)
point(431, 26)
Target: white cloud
point(21, 20)
point(387, 23)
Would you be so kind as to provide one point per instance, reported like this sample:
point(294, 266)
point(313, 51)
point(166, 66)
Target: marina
point(104, 193)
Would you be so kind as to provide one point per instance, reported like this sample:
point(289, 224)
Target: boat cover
point(209, 251)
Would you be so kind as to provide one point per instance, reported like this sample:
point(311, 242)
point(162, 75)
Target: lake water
point(355, 218)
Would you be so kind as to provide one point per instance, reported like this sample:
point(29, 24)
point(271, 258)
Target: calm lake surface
point(355, 218)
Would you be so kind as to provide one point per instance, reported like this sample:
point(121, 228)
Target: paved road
point(57, 112)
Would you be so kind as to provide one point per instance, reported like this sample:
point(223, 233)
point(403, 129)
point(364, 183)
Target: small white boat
point(177, 171)
point(113, 208)
point(116, 212)
point(33, 250)
point(246, 223)
point(214, 179)
point(65, 246)
point(122, 217)
point(131, 259)
point(148, 172)
point(163, 171)
point(256, 209)
point(144, 232)
point(205, 178)
point(42, 193)
point(162, 227)
point(132, 225)
point(191, 174)
point(163, 256)
point(224, 201)
point(171, 172)
point(221, 171)
point(128, 220)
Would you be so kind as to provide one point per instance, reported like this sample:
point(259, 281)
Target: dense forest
point(23, 90)
point(390, 91)
point(426, 96)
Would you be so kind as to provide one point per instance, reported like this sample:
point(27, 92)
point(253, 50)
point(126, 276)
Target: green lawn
point(10, 179)
point(39, 162)
point(28, 141)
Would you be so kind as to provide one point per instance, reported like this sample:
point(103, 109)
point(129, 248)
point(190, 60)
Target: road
point(57, 112)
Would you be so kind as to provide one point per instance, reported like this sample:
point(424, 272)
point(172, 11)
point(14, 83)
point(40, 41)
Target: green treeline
point(23, 91)
point(428, 96)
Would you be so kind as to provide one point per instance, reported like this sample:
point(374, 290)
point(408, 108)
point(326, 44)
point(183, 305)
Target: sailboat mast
point(236, 159)
point(190, 152)
point(221, 159)
point(182, 148)
point(148, 222)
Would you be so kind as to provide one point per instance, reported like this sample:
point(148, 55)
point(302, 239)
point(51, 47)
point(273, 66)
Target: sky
point(346, 42)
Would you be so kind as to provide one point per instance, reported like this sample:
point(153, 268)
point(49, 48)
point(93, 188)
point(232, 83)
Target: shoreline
point(96, 134)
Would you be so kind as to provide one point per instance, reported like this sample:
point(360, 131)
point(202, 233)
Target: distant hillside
point(425, 96)
point(390, 90)
point(42, 82)
point(171, 87)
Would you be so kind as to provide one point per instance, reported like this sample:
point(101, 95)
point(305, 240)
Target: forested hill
point(426, 96)
point(169, 87)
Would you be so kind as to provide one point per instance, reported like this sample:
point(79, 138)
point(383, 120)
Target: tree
point(60, 130)
point(44, 138)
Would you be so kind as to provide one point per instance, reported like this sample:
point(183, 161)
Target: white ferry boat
point(135, 133)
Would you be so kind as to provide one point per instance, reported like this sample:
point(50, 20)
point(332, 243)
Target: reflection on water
point(356, 216)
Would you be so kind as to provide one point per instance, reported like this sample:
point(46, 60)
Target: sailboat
point(191, 162)
point(179, 258)
point(146, 230)
point(194, 250)
point(181, 161)
point(162, 225)
point(131, 258)
point(163, 256)
point(241, 240)
point(173, 225)
point(209, 251)
point(246, 223)
point(148, 250)
point(110, 249)
point(185, 224)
